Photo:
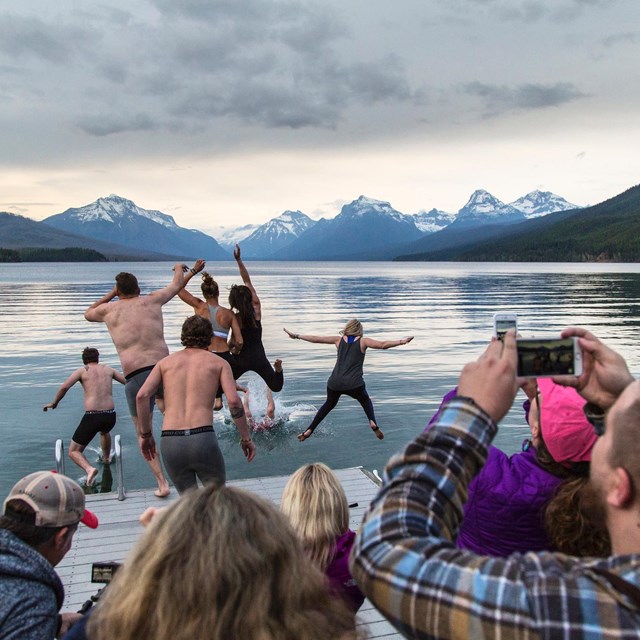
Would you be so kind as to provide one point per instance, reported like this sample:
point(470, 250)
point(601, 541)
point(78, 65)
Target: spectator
point(538, 499)
point(317, 507)
point(218, 564)
point(404, 558)
point(39, 518)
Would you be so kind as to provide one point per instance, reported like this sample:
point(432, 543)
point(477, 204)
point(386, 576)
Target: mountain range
point(365, 229)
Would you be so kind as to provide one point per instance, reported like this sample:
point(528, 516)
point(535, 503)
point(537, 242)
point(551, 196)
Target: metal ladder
point(60, 464)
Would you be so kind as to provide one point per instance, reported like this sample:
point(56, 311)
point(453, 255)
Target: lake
point(448, 307)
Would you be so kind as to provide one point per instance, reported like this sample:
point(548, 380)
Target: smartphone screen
point(539, 358)
point(503, 322)
point(503, 325)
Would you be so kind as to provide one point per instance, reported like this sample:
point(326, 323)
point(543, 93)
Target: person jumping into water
point(245, 303)
point(222, 319)
point(347, 377)
point(99, 411)
point(136, 327)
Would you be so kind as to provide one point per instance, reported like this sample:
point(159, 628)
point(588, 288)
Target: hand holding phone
point(503, 322)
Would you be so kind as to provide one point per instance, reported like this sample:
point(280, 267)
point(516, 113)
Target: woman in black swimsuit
point(245, 303)
point(347, 375)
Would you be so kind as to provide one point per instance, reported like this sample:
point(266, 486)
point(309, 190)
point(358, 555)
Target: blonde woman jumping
point(347, 377)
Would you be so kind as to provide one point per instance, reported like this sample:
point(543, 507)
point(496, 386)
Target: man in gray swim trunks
point(136, 327)
point(191, 377)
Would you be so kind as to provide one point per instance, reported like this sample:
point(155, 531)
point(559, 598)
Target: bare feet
point(105, 459)
point(91, 476)
point(162, 491)
point(277, 365)
point(304, 435)
point(376, 429)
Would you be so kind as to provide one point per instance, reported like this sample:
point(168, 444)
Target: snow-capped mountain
point(434, 220)
point(540, 203)
point(276, 234)
point(362, 227)
point(116, 219)
point(228, 237)
point(483, 208)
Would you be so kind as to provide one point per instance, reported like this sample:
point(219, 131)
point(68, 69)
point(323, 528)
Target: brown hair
point(573, 521)
point(196, 332)
point(127, 284)
point(241, 299)
point(570, 518)
point(353, 328)
point(90, 354)
point(209, 286)
point(220, 563)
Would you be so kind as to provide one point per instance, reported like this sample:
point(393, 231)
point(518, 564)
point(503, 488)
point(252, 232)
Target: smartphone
point(547, 357)
point(503, 322)
point(103, 572)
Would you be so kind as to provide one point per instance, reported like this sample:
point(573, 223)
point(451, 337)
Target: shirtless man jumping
point(190, 378)
point(99, 411)
point(137, 330)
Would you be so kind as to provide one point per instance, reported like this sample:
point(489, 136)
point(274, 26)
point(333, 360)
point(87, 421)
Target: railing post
point(119, 469)
point(59, 452)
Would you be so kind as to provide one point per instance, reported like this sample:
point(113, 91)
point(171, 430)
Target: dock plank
point(119, 530)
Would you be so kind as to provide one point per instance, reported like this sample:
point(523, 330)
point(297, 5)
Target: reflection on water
point(447, 307)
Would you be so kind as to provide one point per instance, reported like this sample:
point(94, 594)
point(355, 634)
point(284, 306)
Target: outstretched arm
point(385, 344)
point(183, 294)
point(246, 279)
point(179, 270)
point(96, 312)
point(314, 339)
point(62, 391)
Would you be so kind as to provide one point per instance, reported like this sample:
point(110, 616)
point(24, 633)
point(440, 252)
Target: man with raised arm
point(99, 412)
point(190, 379)
point(136, 327)
point(405, 559)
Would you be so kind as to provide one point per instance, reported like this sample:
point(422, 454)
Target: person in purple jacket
point(317, 507)
point(539, 499)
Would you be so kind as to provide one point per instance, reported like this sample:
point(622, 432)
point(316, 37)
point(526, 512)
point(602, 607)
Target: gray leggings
point(188, 456)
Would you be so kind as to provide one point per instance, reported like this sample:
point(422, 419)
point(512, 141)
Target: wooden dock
point(119, 530)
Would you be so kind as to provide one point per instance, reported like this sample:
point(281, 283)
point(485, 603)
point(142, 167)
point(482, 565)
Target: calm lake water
point(448, 307)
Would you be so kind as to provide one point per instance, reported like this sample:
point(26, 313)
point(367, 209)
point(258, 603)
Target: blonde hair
point(353, 328)
point(317, 507)
point(219, 563)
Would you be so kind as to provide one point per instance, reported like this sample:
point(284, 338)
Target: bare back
point(137, 330)
point(96, 380)
point(190, 379)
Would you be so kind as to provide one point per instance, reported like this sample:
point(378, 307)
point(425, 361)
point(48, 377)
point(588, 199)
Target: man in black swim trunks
point(99, 412)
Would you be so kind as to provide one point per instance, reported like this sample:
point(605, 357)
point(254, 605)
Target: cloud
point(499, 98)
point(196, 64)
point(629, 37)
point(30, 37)
point(529, 11)
point(105, 126)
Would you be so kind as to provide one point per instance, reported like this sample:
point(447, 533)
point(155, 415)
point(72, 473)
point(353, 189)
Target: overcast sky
point(226, 112)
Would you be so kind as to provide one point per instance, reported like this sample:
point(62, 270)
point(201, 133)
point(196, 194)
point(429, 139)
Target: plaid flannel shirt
point(405, 562)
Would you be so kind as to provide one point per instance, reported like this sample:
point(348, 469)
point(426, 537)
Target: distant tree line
point(40, 254)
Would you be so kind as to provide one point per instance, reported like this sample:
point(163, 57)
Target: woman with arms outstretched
point(347, 377)
point(245, 303)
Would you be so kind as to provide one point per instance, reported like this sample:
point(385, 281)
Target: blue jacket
point(31, 593)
